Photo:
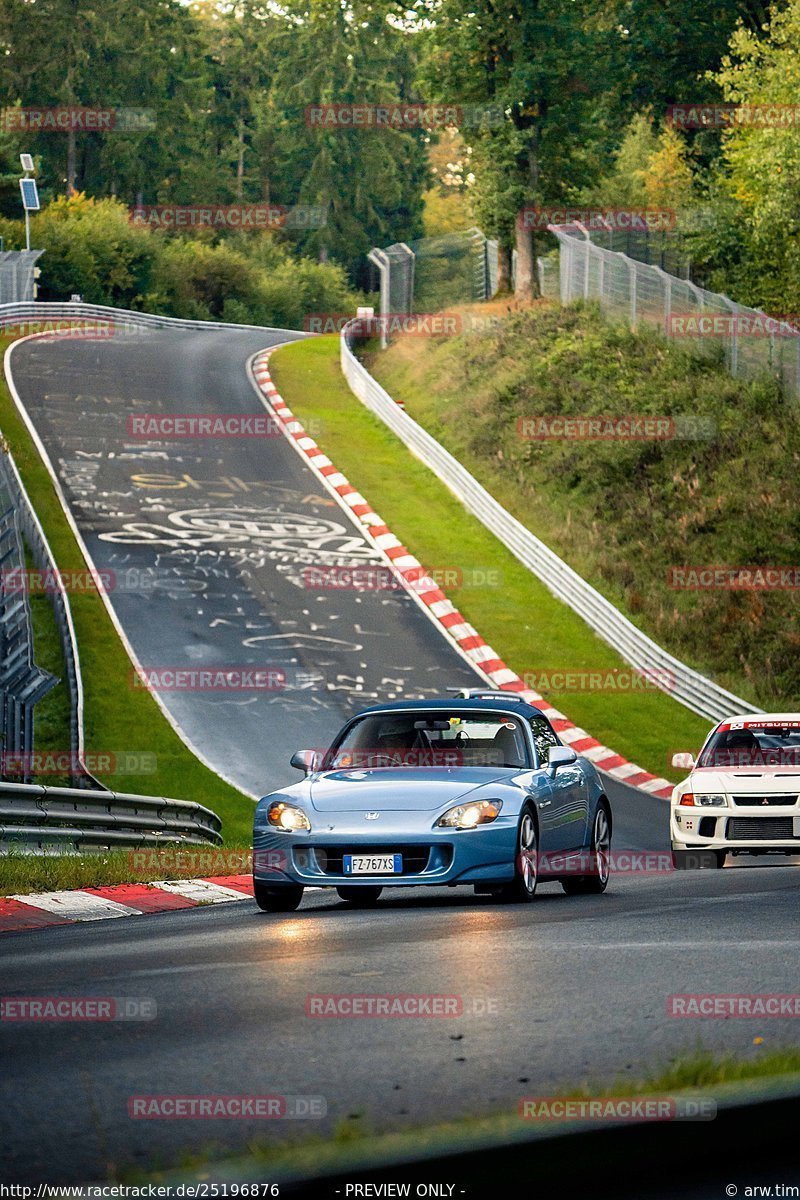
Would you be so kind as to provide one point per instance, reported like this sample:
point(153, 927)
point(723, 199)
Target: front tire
point(277, 900)
point(526, 863)
point(596, 883)
point(360, 897)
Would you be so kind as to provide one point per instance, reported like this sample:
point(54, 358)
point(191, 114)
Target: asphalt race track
point(553, 993)
point(209, 546)
point(574, 988)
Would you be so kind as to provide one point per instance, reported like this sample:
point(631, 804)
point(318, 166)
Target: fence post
point(733, 339)
point(632, 288)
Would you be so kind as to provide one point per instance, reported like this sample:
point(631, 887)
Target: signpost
point(30, 195)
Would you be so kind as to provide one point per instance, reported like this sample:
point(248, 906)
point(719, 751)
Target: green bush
point(92, 248)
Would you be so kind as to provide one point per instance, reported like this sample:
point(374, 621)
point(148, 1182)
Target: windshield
point(753, 744)
point(422, 739)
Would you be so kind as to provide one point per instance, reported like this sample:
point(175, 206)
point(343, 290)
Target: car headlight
point(286, 817)
point(695, 800)
point(469, 816)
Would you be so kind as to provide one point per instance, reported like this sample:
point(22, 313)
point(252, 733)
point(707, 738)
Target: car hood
point(390, 788)
point(744, 781)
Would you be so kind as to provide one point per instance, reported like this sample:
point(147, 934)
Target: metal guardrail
point(688, 686)
point(42, 555)
point(22, 683)
point(50, 817)
point(57, 310)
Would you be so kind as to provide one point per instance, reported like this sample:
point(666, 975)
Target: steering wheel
point(391, 759)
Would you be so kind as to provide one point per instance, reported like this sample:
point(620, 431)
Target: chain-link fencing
point(750, 342)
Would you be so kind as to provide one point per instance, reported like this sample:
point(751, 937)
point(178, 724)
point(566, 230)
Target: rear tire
point(600, 852)
point(526, 863)
point(277, 900)
point(360, 897)
point(698, 860)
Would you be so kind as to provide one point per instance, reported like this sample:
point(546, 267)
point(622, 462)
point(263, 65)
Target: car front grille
point(787, 801)
point(760, 829)
point(331, 858)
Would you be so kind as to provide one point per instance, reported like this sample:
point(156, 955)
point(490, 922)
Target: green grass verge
point(623, 513)
point(52, 727)
point(25, 873)
point(354, 1142)
point(117, 717)
point(519, 617)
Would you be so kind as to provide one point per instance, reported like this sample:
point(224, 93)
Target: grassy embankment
point(623, 513)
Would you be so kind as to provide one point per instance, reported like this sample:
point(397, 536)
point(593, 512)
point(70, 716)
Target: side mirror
point(304, 760)
point(683, 761)
point(561, 756)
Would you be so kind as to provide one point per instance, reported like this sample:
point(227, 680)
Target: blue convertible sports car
point(473, 789)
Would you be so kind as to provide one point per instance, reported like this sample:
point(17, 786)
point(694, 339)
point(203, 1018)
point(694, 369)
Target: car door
point(562, 803)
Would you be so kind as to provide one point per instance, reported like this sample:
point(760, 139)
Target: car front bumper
point(743, 828)
point(431, 856)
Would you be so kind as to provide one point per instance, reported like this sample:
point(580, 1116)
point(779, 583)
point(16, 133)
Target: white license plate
point(373, 864)
point(796, 826)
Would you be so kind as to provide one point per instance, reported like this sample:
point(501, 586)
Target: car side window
point(544, 739)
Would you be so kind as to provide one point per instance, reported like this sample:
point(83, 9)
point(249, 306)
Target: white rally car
point(743, 793)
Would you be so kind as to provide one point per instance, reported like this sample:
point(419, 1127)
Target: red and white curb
point(39, 910)
point(451, 621)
